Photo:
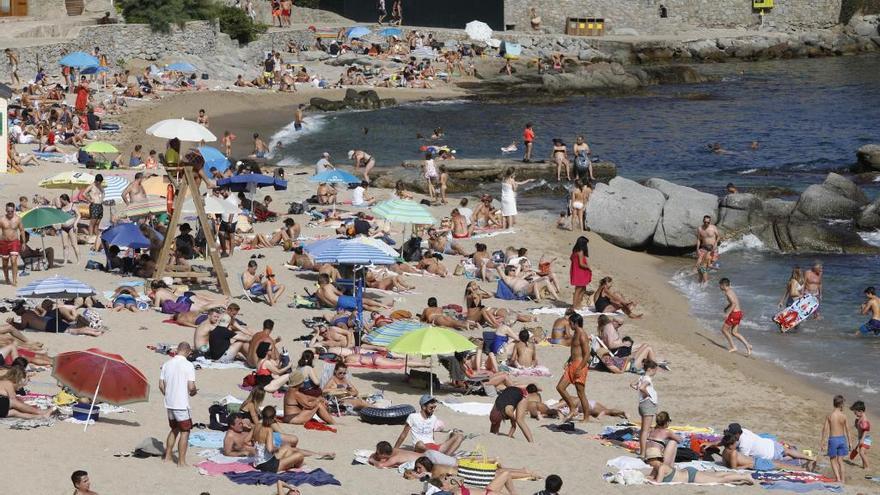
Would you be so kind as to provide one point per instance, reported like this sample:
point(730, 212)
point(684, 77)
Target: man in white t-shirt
point(177, 382)
point(359, 196)
point(464, 210)
point(421, 425)
point(754, 445)
point(324, 164)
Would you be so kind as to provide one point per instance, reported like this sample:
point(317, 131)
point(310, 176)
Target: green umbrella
point(43, 217)
point(431, 341)
point(405, 211)
point(100, 147)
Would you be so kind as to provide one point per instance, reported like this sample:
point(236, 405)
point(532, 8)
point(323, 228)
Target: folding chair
point(246, 294)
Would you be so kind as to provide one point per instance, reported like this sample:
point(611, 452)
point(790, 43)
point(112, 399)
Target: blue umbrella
point(349, 252)
point(357, 32)
point(316, 247)
point(390, 31)
point(182, 67)
point(386, 334)
point(125, 235)
point(94, 70)
point(248, 182)
point(79, 60)
point(337, 176)
point(214, 158)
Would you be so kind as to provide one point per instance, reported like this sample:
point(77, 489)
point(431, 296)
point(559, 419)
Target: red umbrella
point(106, 377)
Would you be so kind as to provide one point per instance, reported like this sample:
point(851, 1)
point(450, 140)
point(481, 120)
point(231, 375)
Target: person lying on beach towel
point(50, 319)
point(737, 460)
point(661, 473)
point(331, 297)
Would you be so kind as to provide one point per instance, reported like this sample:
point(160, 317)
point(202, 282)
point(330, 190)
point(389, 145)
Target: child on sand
point(733, 317)
point(863, 440)
point(836, 431)
point(647, 402)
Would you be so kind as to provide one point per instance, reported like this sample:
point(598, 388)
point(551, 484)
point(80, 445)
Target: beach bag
point(412, 249)
point(477, 470)
point(499, 257)
point(296, 209)
point(401, 314)
point(684, 454)
point(219, 417)
point(93, 318)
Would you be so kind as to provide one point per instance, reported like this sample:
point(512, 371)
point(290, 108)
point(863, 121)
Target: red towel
point(317, 425)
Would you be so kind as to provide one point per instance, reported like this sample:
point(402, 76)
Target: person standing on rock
point(528, 141)
point(583, 166)
point(708, 240)
point(380, 10)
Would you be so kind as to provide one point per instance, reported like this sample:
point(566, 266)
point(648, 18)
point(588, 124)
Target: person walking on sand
point(575, 370)
point(835, 431)
point(95, 196)
point(813, 285)
point(577, 203)
point(528, 141)
point(580, 273)
point(733, 316)
point(11, 240)
point(863, 439)
point(647, 402)
point(508, 198)
point(177, 382)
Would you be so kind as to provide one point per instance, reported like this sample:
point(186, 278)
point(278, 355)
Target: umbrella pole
point(95, 398)
point(430, 378)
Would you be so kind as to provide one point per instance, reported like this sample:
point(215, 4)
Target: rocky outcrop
point(869, 157)
point(738, 211)
point(625, 212)
point(869, 218)
point(354, 100)
point(836, 198)
point(682, 213)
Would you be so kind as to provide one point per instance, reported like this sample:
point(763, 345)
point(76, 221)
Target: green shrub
point(238, 25)
point(161, 14)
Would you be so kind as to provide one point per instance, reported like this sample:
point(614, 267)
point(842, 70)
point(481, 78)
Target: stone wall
point(643, 15)
point(123, 41)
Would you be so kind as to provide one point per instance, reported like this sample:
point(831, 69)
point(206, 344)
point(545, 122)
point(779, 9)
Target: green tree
point(238, 25)
point(160, 14)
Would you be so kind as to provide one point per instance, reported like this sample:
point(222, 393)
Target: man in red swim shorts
point(575, 371)
point(733, 317)
point(11, 237)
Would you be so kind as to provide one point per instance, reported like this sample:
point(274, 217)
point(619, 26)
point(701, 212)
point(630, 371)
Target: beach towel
point(470, 408)
point(317, 477)
point(627, 462)
point(212, 468)
point(506, 293)
point(561, 312)
point(362, 456)
point(317, 425)
point(533, 371)
point(795, 476)
point(208, 364)
point(26, 424)
point(567, 428)
point(206, 439)
point(791, 486)
point(216, 456)
point(485, 234)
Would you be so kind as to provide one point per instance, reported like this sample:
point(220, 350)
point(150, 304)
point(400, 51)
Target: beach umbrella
point(352, 252)
point(403, 210)
point(68, 180)
point(335, 176)
point(125, 235)
point(104, 376)
point(250, 182)
point(213, 206)
point(182, 129)
point(319, 247)
point(95, 69)
point(386, 334)
point(100, 147)
point(38, 218)
point(79, 60)
point(478, 30)
point(182, 67)
point(56, 287)
point(357, 32)
point(156, 185)
point(431, 341)
point(153, 204)
point(390, 31)
point(214, 158)
point(114, 185)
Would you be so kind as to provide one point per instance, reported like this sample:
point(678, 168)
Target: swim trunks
point(201, 318)
point(96, 211)
point(180, 419)
point(348, 303)
point(762, 464)
point(461, 236)
point(575, 375)
point(8, 248)
point(298, 126)
point(870, 326)
point(837, 446)
point(257, 289)
point(260, 154)
point(734, 318)
point(555, 341)
point(124, 300)
point(497, 343)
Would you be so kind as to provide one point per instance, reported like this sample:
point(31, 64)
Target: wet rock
point(738, 212)
point(836, 198)
point(869, 218)
point(869, 157)
point(625, 212)
point(682, 213)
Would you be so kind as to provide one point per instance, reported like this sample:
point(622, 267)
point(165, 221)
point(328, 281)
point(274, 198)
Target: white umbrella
point(182, 129)
point(478, 30)
point(213, 206)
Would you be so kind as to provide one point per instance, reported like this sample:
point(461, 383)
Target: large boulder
point(869, 157)
point(625, 212)
point(869, 219)
point(836, 198)
point(683, 213)
point(598, 76)
point(778, 208)
point(738, 212)
point(325, 105)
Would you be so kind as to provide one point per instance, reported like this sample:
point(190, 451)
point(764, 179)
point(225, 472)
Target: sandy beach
point(707, 386)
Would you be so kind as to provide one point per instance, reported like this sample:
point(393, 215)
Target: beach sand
point(706, 387)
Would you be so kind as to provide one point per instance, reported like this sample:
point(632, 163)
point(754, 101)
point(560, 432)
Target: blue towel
point(504, 292)
point(793, 486)
point(318, 477)
point(206, 439)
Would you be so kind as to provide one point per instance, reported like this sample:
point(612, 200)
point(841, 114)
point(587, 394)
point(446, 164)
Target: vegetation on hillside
point(161, 14)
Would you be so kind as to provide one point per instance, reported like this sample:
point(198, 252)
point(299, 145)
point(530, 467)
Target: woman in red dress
point(580, 272)
point(82, 95)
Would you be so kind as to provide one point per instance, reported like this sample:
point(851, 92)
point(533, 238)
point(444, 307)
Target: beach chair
point(246, 294)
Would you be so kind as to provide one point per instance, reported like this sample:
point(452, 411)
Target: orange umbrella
point(156, 185)
point(105, 376)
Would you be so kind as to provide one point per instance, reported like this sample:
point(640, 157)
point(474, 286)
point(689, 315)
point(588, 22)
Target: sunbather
point(10, 406)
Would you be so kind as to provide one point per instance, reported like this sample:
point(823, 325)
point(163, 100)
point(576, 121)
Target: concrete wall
point(642, 15)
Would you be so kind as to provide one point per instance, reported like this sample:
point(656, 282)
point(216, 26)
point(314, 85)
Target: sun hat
point(426, 399)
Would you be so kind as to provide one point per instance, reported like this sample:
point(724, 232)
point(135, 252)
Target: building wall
point(643, 15)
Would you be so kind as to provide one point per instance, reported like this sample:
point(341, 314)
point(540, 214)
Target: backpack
point(412, 249)
point(219, 417)
point(93, 318)
point(499, 257)
point(296, 209)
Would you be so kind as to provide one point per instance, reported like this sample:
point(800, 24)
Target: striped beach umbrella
point(56, 287)
point(114, 185)
point(68, 180)
point(318, 247)
point(405, 211)
point(153, 204)
point(386, 334)
point(351, 252)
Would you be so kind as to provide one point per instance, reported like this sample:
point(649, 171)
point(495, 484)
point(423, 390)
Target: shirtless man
point(237, 442)
point(525, 354)
point(301, 259)
point(434, 315)
point(708, 240)
point(95, 195)
point(526, 288)
point(11, 239)
point(576, 370)
point(871, 305)
point(737, 460)
point(82, 485)
point(261, 150)
point(54, 321)
point(432, 265)
point(135, 191)
point(298, 116)
point(813, 285)
point(485, 215)
point(261, 337)
point(462, 227)
point(361, 158)
point(733, 316)
point(200, 335)
point(438, 241)
point(330, 297)
point(260, 285)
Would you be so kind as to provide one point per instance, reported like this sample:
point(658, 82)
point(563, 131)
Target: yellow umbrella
point(68, 180)
point(156, 186)
point(431, 341)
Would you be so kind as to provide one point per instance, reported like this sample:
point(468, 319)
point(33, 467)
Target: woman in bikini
point(10, 406)
point(300, 407)
point(794, 289)
point(577, 205)
point(340, 387)
point(662, 473)
point(68, 228)
point(392, 283)
point(269, 458)
point(608, 301)
point(125, 298)
point(280, 374)
point(560, 158)
point(473, 300)
point(662, 442)
point(503, 481)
